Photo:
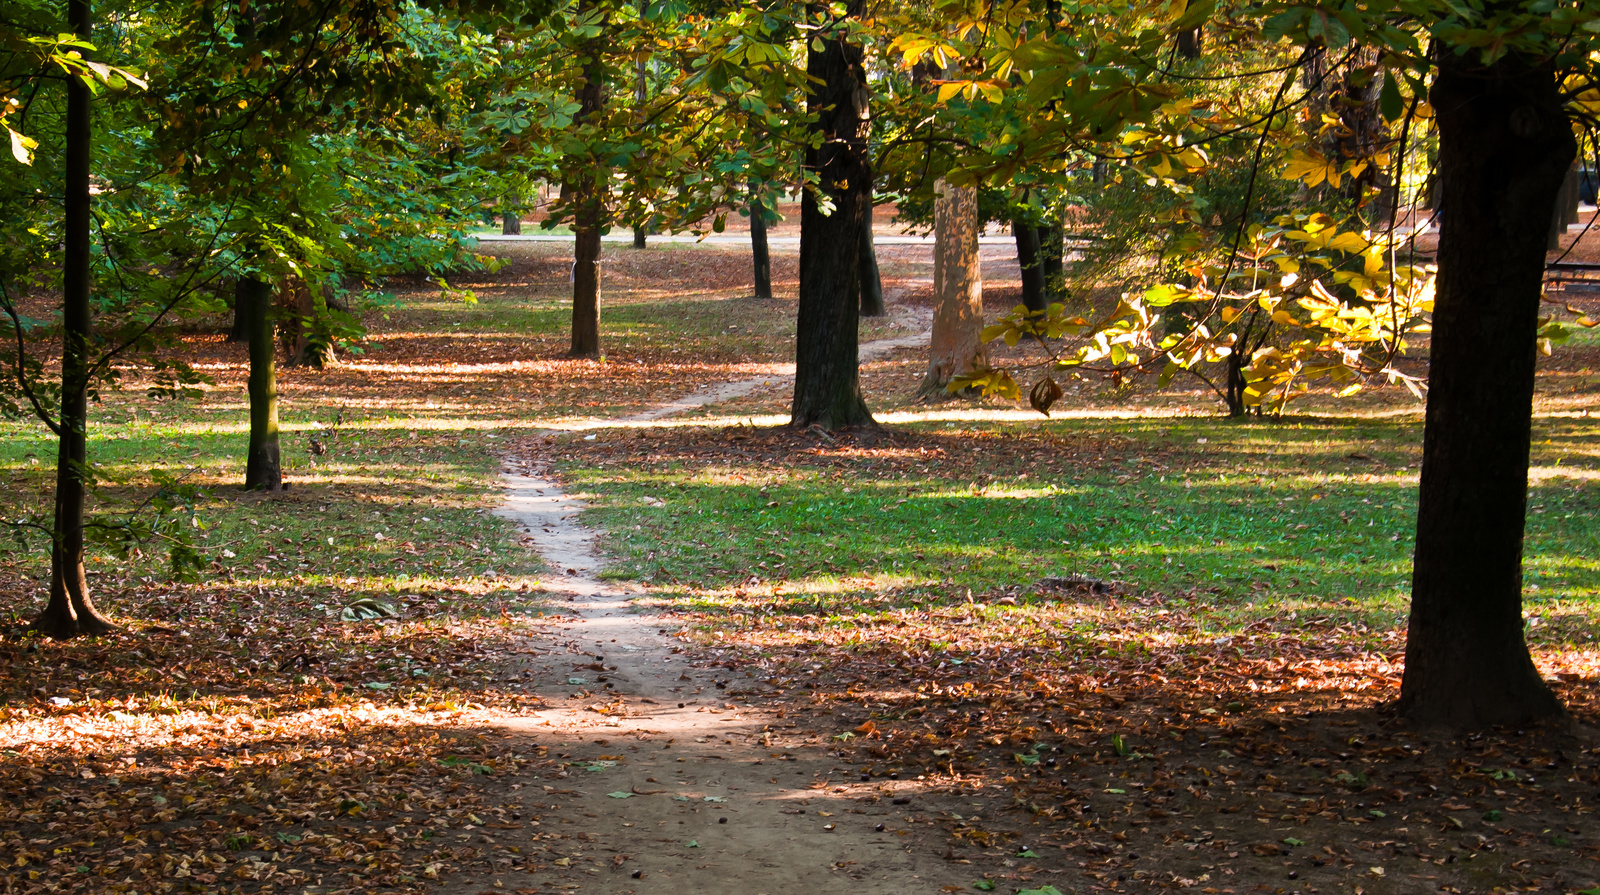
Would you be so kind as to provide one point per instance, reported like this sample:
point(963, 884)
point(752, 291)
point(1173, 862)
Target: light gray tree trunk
point(956, 345)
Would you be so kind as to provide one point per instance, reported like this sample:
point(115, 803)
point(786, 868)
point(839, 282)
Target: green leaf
point(1390, 102)
point(1494, 815)
point(983, 885)
point(620, 794)
point(694, 843)
point(1047, 890)
point(1293, 842)
point(1027, 853)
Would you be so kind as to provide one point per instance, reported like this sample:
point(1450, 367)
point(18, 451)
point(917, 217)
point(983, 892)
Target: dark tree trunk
point(1190, 43)
point(588, 218)
point(1052, 260)
point(871, 280)
point(70, 611)
point(640, 237)
point(1566, 211)
point(1505, 145)
point(1027, 236)
point(263, 469)
point(759, 255)
point(240, 331)
point(1233, 395)
point(510, 225)
point(827, 386)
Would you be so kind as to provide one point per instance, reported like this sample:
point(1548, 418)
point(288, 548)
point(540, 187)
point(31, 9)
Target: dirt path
point(674, 777)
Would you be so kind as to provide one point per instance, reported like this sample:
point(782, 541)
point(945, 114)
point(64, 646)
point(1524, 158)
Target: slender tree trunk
point(588, 218)
point(239, 331)
point(956, 344)
point(1505, 145)
point(1027, 236)
point(640, 237)
point(827, 386)
point(70, 611)
point(871, 279)
point(759, 255)
point(263, 469)
point(1052, 260)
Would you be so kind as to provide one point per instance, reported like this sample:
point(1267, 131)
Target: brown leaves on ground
point(1098, 751)
point(264, 745)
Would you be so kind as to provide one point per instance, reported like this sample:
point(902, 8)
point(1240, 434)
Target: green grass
point(385, 482)
point(1256, 517)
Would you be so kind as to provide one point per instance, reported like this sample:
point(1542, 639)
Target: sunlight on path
point(684, 779)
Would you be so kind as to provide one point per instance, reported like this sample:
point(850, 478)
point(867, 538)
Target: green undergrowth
point(1249, 519)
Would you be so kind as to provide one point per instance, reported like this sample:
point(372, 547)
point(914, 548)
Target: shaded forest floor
point(1131, 647)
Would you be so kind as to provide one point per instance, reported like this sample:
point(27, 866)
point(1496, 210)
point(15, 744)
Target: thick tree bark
point(956, 344)
point(588, 219)
point(1027, 236)
point(1505, 145)
point(871, 279)
point(70, 610)
point(640, 237)
point(510, 225)
point(760, 257)
point(263, 467)
point(827, 386)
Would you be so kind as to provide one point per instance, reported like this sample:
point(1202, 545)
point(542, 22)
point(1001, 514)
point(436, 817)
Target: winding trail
point(681, 780)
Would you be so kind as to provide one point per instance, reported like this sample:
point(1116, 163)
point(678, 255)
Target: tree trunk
point(1027, 236)
point(1052, 260)
point(303, 346)
point(871, 280)
point(263, 468)
point(640, 237)
point(70, 611)
point(827, 386)
point(588, 218)
point(759, 255)
point(956, 344)
point(1566, 212)
point(510, 225)
point(239, 332)
point(1505, 145)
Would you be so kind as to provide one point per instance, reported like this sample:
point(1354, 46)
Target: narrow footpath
point(673, 778)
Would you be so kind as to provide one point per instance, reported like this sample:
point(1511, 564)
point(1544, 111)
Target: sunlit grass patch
point(1246, 519)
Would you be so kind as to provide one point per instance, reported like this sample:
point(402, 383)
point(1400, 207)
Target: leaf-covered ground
point(274, 728)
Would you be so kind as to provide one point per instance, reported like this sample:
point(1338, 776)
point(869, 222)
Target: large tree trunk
point(956, 344)
point(871, 279)
point(760, 257)
point(1027, 236)
point(827, 387)
point(588, 219)
point(510, 224)
point(1505, 145)
point(263, 469)
point(70, 611)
